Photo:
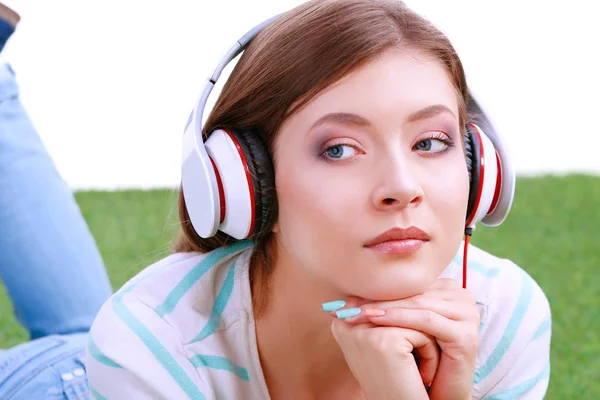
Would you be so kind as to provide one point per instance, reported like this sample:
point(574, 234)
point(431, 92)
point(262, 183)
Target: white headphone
point(224, 179)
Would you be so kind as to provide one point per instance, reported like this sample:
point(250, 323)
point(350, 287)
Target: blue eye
point(433, 145)
point(340, 151)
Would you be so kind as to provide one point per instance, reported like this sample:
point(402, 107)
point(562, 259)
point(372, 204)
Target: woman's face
point(381, 149)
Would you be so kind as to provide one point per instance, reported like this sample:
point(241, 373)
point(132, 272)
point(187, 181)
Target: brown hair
point(297, 56)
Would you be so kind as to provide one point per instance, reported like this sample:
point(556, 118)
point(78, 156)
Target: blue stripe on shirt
point(99, 355)
point(143, 276)
point(543, 328)
point(218, 362)
point(510, 331)
point(220, 302)
point(522, 388)
point(145, 335)
point(163, 356)
point(197, 272)
point(478, 267)
point(95, 394)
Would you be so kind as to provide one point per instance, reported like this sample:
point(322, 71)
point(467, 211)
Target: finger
point(456, 311)
point(425, 346)
point(442, 292)
point(344, 334)
point(348, 303)
point(340, 329)
point(443, 288)
point(459, 294)
point(429, 322)
point(428, 353)
point(459, 309)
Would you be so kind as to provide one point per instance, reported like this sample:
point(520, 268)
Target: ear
point(275, 228)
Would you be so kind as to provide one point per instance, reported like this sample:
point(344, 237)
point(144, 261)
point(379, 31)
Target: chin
point(395, 287)
point(394, 278)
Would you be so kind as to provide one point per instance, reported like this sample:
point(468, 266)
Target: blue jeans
point(49, 263)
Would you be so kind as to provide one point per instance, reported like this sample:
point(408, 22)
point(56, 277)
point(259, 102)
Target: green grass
point(553, 232)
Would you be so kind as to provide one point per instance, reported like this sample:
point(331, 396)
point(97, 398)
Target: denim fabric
point(6, 31)
point(49, 263)
point(49, 368)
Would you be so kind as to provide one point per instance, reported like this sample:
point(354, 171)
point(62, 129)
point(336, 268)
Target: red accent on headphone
point(481, 176)
point(221, 191)
point(248, 179)
point(498, 185)
point(465, 262)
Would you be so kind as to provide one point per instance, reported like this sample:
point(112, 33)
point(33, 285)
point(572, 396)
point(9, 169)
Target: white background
point(110, 84)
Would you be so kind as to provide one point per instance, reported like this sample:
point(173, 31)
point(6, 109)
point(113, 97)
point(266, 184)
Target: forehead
point(394, 85)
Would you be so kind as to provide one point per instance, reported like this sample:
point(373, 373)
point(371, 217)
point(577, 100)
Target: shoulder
point(502, 286)
point(178, 286)
point(143, 330)
point(515, 329)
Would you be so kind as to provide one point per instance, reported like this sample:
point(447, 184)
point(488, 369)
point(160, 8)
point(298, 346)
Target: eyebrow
point(344, 119)
point(358, 121)
point(429, 112)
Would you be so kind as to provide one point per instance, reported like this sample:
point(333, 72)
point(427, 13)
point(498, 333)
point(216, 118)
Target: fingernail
point(371, 312)
point(348, 313)
point(333, 305)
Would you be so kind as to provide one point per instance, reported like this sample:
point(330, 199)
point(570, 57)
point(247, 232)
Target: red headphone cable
point(468, 233)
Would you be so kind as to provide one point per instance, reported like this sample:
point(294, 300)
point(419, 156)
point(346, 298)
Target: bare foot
point(9, 15)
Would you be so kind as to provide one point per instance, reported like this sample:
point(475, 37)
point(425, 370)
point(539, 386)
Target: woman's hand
point(446, 312)
point(381, 359)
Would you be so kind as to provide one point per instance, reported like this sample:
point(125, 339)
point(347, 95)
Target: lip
point(399, 241)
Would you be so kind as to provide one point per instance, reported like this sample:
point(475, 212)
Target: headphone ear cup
point(261, 172)
point(473, 160)
point(201, 186)
point(502, 194)
point(486, 176)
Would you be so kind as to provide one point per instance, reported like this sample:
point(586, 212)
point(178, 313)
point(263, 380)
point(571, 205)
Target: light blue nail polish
point(333, 305)
point(347, 313)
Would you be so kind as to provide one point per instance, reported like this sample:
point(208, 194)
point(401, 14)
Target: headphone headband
point(235, 50)
point(199, 178)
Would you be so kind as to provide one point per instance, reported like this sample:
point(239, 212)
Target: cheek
point(448, 198)
point(449, 191)
point(318, 213)
point(310, 200)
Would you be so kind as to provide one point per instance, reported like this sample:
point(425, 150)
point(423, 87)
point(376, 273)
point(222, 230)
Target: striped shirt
point(183, 328)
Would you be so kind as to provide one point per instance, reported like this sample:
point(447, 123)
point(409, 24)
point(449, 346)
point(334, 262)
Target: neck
point(297, 351)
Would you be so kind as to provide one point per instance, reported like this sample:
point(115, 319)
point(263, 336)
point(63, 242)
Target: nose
point(397, 187)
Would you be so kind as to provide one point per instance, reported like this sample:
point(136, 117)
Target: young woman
point(347, 285)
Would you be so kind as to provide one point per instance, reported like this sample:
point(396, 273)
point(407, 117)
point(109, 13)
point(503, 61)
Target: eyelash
point(323, 153)
point(439, 136)
point(442, 138)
